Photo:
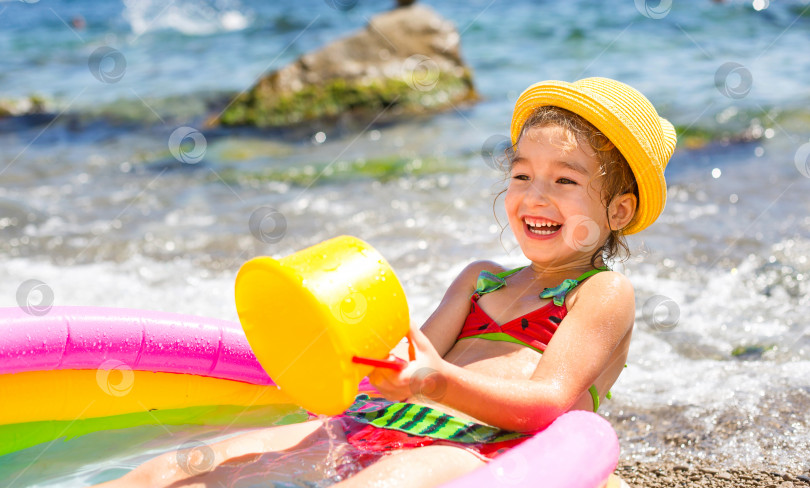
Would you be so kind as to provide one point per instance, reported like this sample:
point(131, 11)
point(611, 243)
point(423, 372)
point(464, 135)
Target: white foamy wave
point(722, 371)
point(140, 283)
point(194, 18)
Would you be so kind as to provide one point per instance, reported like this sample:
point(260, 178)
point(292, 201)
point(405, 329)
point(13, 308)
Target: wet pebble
point(669, 475)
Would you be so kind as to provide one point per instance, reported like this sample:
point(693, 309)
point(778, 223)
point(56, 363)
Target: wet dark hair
point(617, 177)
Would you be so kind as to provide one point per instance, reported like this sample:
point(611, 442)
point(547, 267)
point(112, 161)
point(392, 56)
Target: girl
point(507, 351)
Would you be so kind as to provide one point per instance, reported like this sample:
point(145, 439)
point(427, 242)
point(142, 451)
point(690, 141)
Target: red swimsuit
point(533, 329)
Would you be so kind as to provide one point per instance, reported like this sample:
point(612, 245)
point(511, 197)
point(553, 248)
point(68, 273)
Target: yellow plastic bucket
point(306, 315)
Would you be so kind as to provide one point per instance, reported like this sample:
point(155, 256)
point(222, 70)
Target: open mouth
point(542, 227)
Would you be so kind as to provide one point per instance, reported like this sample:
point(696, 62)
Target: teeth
point(543, 228)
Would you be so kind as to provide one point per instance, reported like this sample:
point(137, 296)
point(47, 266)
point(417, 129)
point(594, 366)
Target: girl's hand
point(424, 376)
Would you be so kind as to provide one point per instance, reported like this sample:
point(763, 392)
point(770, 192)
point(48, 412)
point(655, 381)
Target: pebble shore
point(668, 475)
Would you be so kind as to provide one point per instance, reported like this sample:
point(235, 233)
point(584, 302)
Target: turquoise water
point(93, 203)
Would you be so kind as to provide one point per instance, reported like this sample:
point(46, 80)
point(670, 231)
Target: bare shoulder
point(475, 268)
point(466, 280)
point(609, 282)
point(446, 322)
point(609, 293)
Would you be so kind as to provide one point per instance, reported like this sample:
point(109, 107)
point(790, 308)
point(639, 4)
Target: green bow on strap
point(488, 282)
point(557, 294)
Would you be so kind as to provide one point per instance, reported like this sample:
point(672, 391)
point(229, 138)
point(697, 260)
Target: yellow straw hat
point(627, 118)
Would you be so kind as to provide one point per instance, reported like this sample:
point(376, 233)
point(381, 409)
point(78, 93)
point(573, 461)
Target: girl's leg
point(173, 467)
point(422, 466)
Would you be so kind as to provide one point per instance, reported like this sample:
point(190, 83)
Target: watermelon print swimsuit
point(378, 425)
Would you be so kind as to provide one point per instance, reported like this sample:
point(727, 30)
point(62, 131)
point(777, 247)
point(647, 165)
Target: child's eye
point(520, 177)
point(566, 181)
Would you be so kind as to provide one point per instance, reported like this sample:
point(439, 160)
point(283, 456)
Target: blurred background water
point(94, 205)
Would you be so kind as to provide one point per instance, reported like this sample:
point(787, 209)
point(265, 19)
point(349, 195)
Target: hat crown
point(626, 117)
point(648, 123)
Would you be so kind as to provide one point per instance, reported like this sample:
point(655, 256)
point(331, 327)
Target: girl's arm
point(579, 352)
point(444, 325)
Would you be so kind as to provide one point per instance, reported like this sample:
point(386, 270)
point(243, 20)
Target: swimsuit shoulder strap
point(558, 293)
point(489, 282)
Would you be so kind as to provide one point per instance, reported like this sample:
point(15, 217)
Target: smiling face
point(554, 199)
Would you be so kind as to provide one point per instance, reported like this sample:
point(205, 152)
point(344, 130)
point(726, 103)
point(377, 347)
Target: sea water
point(94, 205)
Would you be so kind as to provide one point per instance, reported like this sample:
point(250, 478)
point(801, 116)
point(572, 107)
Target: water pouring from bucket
point(320, 319)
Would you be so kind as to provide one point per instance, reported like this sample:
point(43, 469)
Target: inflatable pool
point(78, 370)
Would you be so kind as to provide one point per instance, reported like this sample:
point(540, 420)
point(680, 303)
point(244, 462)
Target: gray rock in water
point(406, 61)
